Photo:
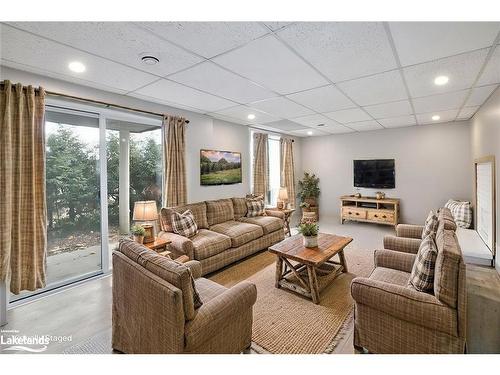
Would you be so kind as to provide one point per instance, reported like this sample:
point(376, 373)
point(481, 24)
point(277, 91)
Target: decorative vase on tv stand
point(309, 233)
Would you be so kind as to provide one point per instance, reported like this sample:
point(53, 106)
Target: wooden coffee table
point(297, 267)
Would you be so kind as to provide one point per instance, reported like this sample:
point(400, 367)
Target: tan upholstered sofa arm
point(395, 260)
point(409, 231)
point(180, 245)
point(214, 314)
point(405, 245)
point(195, 268)
point(405, 304)
point(275, 213)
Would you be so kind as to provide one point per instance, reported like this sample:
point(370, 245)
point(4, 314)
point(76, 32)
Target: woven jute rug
point(286, 323)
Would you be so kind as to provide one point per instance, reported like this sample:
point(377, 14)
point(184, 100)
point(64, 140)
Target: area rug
point(286, 323)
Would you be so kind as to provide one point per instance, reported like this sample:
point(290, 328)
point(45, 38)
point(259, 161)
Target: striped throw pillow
point(431, 225)
point(422, 273)
point(461, 212)
point(184, 224)
point(255, 207)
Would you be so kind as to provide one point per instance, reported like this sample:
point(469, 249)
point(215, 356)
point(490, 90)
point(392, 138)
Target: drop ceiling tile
point(479, 95)
point(417, 42)
point(286, 125)
point(364, 126)
point(445, 116)
point(207, 38)
point(467, 112)
point(342, 50)
point(314, 120)
point(336, 129)
point(309, 132)
point(277, 25)
point(398, 122)
point(323, 99)
point(442, 102)
point(227, 118)
point(491, 73)
point(119, 41)
point(173, 92)
point(348, 115)
point(462, 70)
point(28, 52)
point(269, 63)
point(379, 88)
point(241, 113)
point(281, 107)
point(218, 81)
point(392, 109)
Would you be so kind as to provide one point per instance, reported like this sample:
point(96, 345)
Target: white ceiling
point(296, 78)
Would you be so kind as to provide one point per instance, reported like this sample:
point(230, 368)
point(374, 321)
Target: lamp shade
point(145, 211)
point(283, 194)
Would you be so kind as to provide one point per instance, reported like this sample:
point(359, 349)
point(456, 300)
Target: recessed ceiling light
point(76, 66)
point(436, 117)
point(310, 132)
point(251, 116)
point(150, 59)
point(441, 80)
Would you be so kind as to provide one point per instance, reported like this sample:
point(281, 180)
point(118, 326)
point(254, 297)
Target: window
point(274, 169)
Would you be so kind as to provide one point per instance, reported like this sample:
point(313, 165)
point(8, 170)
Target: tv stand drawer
point(383, 216)
point(354, 213)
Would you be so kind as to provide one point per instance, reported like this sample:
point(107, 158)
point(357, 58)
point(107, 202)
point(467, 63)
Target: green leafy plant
point(137, 230)
point(309, 229)
point(308, 187)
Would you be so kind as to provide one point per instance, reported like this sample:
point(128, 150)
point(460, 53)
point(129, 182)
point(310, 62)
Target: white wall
point(202, 132)
point(432, 165)
point(485, 140)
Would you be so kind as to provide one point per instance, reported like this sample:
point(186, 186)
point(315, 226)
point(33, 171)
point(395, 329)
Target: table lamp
point(282, 198)
point(146, 211)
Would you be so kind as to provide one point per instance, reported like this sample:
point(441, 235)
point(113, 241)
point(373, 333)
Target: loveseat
point(225, 233)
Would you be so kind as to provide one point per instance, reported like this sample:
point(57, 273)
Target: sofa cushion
point(431, 225)
point(269, 224)
point(174, 273)
point(255, 207)
point(448, 262)
point(391, 276)
point(184, 224)
point(199, 211)
point(240, 233)
point(422, 273)
point(219, 211)
point(444, 215)
point(208, 289)
point(240, 207)
point(461, 212)
point(208, 243)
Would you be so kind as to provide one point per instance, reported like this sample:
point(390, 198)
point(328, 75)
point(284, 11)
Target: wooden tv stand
point(370, 210)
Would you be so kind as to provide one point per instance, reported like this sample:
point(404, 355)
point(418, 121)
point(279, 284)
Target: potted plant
point(309, 189)
point(138, 232)
point(309, 232)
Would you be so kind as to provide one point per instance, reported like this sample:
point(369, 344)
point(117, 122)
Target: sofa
point(409, 236)
point(391, 317)
point(225, 233)
point(156, 306)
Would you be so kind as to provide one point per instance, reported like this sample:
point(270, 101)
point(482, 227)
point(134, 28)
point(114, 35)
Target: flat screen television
point(378, 173)
point(220, 167)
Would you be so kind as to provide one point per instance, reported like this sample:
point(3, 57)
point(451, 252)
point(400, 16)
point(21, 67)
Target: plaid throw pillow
point(431, 225)
point(255, 207)
point(184, 224)
point(422, 273)
point(461, 212)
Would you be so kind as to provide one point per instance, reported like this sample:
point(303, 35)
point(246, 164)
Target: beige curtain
point(23, 215)
point(174, 149)
point(287, 169)
point(260, 164)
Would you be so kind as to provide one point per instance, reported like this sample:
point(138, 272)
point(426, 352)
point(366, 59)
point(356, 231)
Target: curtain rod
point(53, 93)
